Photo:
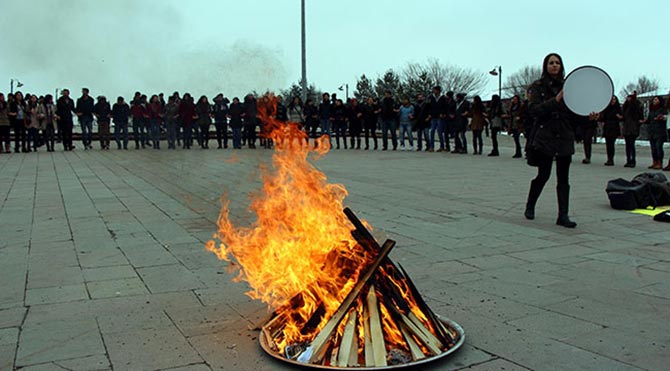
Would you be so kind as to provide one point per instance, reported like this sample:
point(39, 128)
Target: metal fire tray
point(447, 322)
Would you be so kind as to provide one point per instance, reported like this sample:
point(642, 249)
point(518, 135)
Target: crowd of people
point(430, 123)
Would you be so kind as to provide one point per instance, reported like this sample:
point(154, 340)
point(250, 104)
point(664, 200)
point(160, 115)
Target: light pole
point(303, 82)
point(498, 73)
point(11, 84)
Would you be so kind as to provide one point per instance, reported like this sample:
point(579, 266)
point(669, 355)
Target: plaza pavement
point(102, 264)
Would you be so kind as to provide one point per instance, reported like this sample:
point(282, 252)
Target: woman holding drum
point(552, 138)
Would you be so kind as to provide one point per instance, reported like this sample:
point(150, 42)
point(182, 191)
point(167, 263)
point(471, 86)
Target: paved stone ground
point(102, 264)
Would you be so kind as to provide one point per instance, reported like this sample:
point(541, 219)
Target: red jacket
point(154, 111)
point(138, 111)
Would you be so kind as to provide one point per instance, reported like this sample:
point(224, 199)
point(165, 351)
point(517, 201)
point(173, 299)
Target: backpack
point(647, 189)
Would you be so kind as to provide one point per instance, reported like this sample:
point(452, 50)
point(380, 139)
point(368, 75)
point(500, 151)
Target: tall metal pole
point(500, 81)
point(11, 86)
point(303, 82)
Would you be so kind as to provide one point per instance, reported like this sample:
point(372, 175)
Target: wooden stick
point(333, 356)
point(428, 339)
point(369, 350)
point(349, 342)
point(414, 348)
point(318, 345)
point(376, 333)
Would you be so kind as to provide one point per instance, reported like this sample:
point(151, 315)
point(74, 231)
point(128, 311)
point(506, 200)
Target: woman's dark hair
point(545, 72)
point(48, 98)
point(477, 104)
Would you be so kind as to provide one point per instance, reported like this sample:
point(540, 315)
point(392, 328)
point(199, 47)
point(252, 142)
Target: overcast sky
point(237, 46)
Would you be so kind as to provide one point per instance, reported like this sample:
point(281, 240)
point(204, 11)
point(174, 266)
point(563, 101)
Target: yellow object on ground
point(651, 211)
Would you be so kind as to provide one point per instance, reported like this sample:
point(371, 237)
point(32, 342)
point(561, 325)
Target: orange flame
point(299, 252)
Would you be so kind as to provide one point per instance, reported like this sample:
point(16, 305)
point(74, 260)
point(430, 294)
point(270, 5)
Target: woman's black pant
point(477, 141)
point(630, 149)
point(494, 140)
point(370, 130)
point(609, 146)
point(562, 181)
point(19, 136)
point(589, 135)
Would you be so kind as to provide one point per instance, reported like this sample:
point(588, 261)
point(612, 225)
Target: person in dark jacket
point(311, 113)
point(371, 115)
point(203, 112)
point(496, 116)
point(235, 113)
point(553, 138)
point(389, 120)
point(250, 120)
point(120, 114)
point(355, 117)
point(516, 123)
point(656, 132)
point(326, 115)
point(632, 118)
point(103, 113)
point(170, 114)
point(450, 122)
point(138, 110)
point(421, 124)
point(187, 116)
point(17, 115)
point(339, 112)
point(64, 109)
point(437, 107)
point(611, 117)
point(462, 113)
point(220, 112)
point(84, 109)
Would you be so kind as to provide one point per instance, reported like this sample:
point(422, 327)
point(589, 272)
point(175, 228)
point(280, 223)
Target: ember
point(336, 298)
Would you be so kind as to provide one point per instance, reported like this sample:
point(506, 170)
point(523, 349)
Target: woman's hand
point(593, 116)
point(559, 97)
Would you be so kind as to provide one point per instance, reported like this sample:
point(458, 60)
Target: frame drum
point(587, 89)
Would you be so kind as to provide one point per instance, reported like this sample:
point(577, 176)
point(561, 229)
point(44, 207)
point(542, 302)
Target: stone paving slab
point(103, 267)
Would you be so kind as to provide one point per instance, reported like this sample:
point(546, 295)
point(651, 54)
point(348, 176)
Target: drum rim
point(589, 67)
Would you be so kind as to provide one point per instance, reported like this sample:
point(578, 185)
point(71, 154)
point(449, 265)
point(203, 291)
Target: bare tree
point(517, 83)
point(423, 76)
point(643, 85)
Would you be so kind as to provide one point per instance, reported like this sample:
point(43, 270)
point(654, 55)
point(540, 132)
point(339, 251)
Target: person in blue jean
point(235, 113)
point(656, 131)
point(84, 110)
point(406, 117)
point(120, 114)
point(437, 108)
point(170, 115)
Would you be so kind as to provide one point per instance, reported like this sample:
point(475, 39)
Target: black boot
point(563, 195)
point(533, 195)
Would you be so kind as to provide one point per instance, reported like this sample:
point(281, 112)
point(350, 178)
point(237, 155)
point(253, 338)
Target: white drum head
point(587, 89)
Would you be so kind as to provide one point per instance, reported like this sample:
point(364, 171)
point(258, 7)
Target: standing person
point(221, 120)
point(478, 113)
point(203, 113)
point(139, 113)
point(155, 111)
point(235, 113)
point(326, 116)
point(516, 124)
point(311, 114)
point(371, 116)
point(553, 138)
point(33, 123)
point(120, 114)
point(186, 116)
point(421, 122)
point(17, 114)
point(296, 115)
point(47, 111)
point(656, 130)
point(177, 101)
point(450, 122)
point(406, 118)
point(170, 115)
point(589, 130)
point(462, 114)
point(389, 116)
point(4, 125)
point(103, 113)
point(356, 114)
point(496, 115)
point(611, 116)
point(339, 112)
point(632, 117)
point(436, 113)
point(64, 109)
point(84, 110)
point(250, 120)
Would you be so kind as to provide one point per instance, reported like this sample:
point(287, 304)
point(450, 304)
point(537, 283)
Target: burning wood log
point(376, 334)
point(414, 348)
point(318, 346)
point(348, 354)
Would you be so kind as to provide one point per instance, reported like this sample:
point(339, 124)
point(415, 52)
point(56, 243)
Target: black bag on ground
point(647, 189)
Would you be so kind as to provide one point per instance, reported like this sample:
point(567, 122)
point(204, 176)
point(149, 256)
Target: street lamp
point(11, 84)
point(497, 71)
point(343, 87)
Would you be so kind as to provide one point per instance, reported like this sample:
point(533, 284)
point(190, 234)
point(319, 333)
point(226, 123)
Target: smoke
point(124, 46)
